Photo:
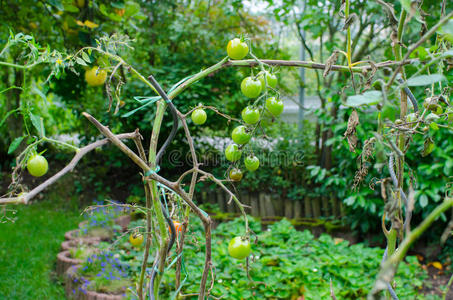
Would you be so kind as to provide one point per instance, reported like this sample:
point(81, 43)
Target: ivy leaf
point(38, 124)
point(16, 142)
point(425, 79)
point(367, 98)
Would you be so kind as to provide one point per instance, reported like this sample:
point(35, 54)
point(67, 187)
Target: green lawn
point(28, 249)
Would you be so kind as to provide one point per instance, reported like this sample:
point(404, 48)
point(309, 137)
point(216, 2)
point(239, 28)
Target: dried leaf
point(329, 63)
point(349, 21)
point(350, 132)
point(437, 265)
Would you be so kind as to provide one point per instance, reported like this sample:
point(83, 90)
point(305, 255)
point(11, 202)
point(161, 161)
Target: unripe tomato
point(136, 239)
point(37, 165)
point(237, 49)
point(232, 152)
point(251, 163)
point(251, 88)
point(250, 115)
point(199, 116)
point(398, 122)
point(270, 78)
point(240, 135)
point(236, 174)
point(274, 106)
point(239, 248)
point(94, 77)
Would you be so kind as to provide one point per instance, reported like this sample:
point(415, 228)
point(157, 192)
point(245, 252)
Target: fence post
point(297, 209)
point(254, 204)
point(307, 205)
point(269, 206)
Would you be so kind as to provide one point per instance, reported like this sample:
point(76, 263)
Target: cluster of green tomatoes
point(251, 87)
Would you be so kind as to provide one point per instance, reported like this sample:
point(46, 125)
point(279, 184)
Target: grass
point(28, 249)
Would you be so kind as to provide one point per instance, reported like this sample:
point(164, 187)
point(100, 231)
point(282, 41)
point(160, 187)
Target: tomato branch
point(26, 197)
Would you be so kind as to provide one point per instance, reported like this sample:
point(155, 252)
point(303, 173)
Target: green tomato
point(237, 49)
point(236, 174)
point(37, 165)
point(251, 163)
point(270, 78)
point(136, 239)
point(274, 106)
point(240, 135)
point(239, 248)
point(251, 88)
point(232, 153)
point(250, 115)
point(199, 116)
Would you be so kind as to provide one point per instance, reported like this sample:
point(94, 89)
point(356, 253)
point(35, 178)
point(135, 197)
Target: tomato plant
point(240, 135)
point(136, 239)
point(270, 78)
point(250, 115)
point(251, 163)
point(37, 165)
point(251, 88)
point(239, 247)
point(95, 76)
point(235, 174)
point(274, 106)
point(237, 49)
point(199, 116)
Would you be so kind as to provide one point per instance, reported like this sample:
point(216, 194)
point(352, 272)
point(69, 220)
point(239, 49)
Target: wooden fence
point(268, 205)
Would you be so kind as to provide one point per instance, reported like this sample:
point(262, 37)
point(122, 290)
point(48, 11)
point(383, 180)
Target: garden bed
point(74, 288)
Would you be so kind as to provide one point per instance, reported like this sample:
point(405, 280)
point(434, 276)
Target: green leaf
point(447, 30)
point(15, 144)
point(86, 57)
point(434, 126)
point(423, 200)
point(425, 79)
point(38, 92)
point(81, 61)
point(367, 98)
point(57, 4)
point(71, 8)
point(428, 147)
point(411, 8)
point(38, 124)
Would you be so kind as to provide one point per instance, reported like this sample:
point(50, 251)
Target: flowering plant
point(103, 273)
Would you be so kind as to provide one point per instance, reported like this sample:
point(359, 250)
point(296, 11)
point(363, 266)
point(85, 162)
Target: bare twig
point(81, 153)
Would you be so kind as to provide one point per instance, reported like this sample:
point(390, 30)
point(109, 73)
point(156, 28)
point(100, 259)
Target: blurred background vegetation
point(173, 39)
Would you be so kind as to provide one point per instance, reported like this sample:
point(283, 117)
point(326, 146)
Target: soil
point(438, 279)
